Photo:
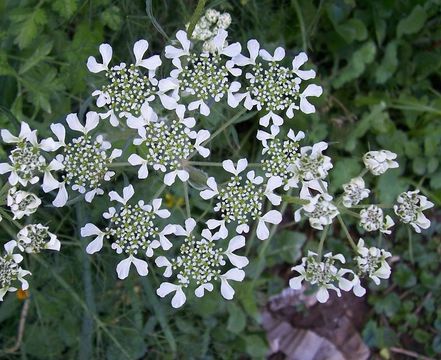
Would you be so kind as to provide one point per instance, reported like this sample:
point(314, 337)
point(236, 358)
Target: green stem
point(159, 192)
point(301, 23)
point(187, 200)
point(322, 241)
point(221, 129)
point(195, 17)
point(346, 231)
point(409, 232)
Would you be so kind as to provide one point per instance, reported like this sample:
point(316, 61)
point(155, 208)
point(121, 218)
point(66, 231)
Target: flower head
point(166, 143)
point(129, 86)
point(279, 154)
point(22, 203)
point(133, 230)
point(34, 238)
point(372, 219)
point(372, 262)
point(27, 163)
point(354, 192)
point(10, 271)
point(200, 262)
point(242, 199)
point(378, 162)
point(410, 209)
point(274, 88)
point(84, 162)
point(324, 274)
point(203, 75)
point(320, 211)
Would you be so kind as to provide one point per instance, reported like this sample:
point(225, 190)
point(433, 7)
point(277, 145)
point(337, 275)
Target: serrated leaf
point(412, 23)
point(39, 54)
point(66, 8)
point(28, 26)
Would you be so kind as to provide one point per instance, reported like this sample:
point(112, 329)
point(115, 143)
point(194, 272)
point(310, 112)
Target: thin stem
point(195, 17)
point(218, 131)
point(21, 328)
point(119, 164)
point(301, 24)
point(346, 231)
point(159, 192)
point(322, 241)
point(409, 232)
point(187, 201)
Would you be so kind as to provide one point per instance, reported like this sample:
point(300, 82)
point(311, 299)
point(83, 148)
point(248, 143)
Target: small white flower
point(372, 219)
point(84, 162)
point(354, 192)
point(320, 211)
point(278, 155)
point(22, 203)
point(410, 209)
point(273, 87)
point(133, 230)
point(206, 75)
point(27, 163)
point(34, 238)
point(372, 262)
point(378, 162)
point(242, 199)
point(10, 271)
point(128, 88)
point(200, 262)
point(166, 143)
point(323, 274)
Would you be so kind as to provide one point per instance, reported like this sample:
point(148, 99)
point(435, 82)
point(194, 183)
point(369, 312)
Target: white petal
point(139, 49)
point(92, 121)
point(322, 295)
point(106, 53)
point(123, 268)
point(61, 198)
point(74, 123)
point(141, 266)
point(296, 282)
point(262, 230)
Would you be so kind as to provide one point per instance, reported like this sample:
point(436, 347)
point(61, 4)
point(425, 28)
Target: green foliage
point(379, 63)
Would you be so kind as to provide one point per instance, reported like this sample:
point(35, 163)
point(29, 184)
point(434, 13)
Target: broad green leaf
point(357, 64)
point(412, 23)
point(237, 318)
point(388, 65)
point(353, 29)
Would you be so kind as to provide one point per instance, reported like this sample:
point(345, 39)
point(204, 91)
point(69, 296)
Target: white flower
point(278, 155)
point(10, 271)
point(372, 219)
point(34, 238)
point(410, 209)
point(204, 75)
point(166, 143)
point(26, 161)
point(354, 192)
point(84, 162)
point(273, 87)
point(320, 211)
point(22, 203)
point(323, 274)
point(128, 88)
point(199, 262)
point(311, 167)
point(378, 162)
point(372, 262)
point(242, 199)
point(133, 230)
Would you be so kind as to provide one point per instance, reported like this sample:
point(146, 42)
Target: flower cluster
point(133, 230)
point(200, 263)
point(160, 121)
point(242, 200)
point(166, 143)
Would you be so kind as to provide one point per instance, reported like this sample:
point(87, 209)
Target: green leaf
point(39, 54)
point(353, 29)
point(29, 25)
point(255, 346)
point(357, 65)
point(5, 68)
point(66, 8)
point(412, 23)
point(237, 319)
point(404, 277)
point(388, 65)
